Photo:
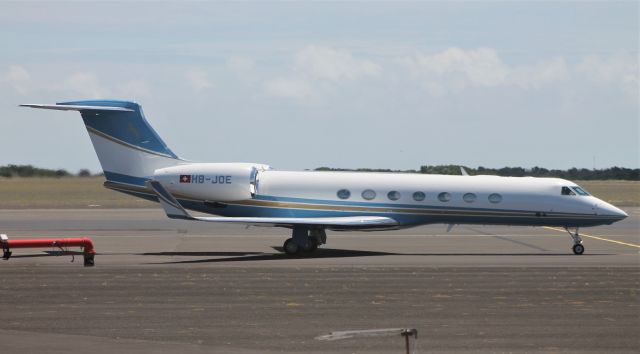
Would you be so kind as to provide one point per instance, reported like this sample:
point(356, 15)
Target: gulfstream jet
point(136, 161)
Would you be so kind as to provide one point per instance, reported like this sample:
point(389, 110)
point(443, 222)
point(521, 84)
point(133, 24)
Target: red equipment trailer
point(61, 243)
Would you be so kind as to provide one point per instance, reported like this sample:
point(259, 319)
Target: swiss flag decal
point(185, 178)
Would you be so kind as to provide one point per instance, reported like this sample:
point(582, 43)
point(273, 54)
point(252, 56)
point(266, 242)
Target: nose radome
point(610, 210)
point(622, 213)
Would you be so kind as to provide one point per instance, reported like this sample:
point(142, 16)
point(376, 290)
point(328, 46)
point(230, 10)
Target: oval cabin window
point(418, 196)
point(393, 195)
point(469, 197)
point(444, 197)
point(368, 194)
point(344, 194)
point(495, 198)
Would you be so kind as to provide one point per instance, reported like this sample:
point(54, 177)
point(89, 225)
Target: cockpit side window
point(579, 190)
point(567, 191)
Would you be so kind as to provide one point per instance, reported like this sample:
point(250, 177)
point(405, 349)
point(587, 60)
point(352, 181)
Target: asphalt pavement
point(167, 286)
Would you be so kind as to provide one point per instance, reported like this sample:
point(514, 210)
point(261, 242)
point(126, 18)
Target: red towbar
point(84, 242)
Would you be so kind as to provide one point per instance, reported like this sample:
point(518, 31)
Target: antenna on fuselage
point(463, 171)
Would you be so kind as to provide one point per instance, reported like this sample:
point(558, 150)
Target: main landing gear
point(577, 248)
point(304, 240)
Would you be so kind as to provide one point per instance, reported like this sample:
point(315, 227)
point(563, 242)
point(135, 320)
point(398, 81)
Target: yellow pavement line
point(595, 237)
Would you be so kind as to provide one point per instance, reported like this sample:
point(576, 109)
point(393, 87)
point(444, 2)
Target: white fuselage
point(256, 190)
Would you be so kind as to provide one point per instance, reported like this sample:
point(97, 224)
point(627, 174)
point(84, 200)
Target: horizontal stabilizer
point(174, 210)
point(64, 107)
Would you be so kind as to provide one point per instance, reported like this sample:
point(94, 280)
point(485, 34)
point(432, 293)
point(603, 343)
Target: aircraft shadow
point(324, 253)
point(32, 255)
point(318, 254)
point(201, 254)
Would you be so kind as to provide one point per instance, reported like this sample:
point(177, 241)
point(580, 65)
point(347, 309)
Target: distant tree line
point(30, 171)
point(619, 173)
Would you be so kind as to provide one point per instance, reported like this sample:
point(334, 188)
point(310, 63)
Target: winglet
point(463, 171)
point(170, 205)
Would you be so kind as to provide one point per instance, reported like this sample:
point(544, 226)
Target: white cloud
point(19, 78)
point(481, 67)
point(618, 69)
point(134, 89)
point(85, 85)
point(79, 85)
point(455, 69)
point(288, 88)
point(240, 64)
point(320, 69)
point(199, 80)
point(540, 74)
point(321, 62)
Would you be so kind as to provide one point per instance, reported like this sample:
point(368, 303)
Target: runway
point(162, 285)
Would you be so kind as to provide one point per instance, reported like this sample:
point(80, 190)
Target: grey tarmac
point(166, 286)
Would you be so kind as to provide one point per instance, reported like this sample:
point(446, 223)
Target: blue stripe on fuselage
point(120, 178)
point(404, 219)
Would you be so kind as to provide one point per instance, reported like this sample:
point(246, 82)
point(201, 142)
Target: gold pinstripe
point(371, 209)
point(124, 143)
point(420, 211)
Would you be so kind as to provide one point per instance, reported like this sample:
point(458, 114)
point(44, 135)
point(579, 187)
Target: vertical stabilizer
point(128, 148)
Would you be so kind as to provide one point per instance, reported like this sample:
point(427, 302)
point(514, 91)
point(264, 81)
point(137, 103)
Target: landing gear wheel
point(290, 247)
point(310, 246)
point(578, 249)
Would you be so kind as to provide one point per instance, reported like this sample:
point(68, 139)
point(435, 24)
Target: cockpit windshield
point(579, 190)
point(575, 190)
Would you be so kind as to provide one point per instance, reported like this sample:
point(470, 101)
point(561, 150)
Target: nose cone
point(606, 209)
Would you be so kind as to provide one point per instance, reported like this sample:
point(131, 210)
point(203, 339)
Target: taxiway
point(163, 286)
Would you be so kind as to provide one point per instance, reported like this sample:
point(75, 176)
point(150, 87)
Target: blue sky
point(361, 84)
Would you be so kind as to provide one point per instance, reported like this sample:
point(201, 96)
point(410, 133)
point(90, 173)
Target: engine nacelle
point(220, 182)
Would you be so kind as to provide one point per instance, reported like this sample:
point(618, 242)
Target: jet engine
point(219, 182)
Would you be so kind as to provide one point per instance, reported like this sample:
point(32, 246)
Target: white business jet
point(136, 161)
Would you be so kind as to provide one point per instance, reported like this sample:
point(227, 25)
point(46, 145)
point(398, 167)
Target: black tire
point(290, 247)
point(89, 260)
point(578, 249)
point(311, 246)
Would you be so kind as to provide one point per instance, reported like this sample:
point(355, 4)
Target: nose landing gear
point(577, 248)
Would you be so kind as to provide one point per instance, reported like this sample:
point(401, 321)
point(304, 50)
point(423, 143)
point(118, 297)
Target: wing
point(175, 211)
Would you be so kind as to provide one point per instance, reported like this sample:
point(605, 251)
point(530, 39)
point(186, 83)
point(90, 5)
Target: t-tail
point(128, 148)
